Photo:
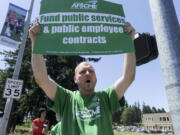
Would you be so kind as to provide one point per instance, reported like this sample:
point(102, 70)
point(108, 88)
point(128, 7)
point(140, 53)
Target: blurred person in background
point(40, 125)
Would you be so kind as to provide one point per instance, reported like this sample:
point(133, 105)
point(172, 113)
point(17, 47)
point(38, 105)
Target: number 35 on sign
point(13, 88)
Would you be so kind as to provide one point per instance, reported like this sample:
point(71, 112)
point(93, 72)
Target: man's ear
point(75, 80)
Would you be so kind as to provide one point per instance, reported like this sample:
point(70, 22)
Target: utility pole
point(167, 31)
point(9, 102)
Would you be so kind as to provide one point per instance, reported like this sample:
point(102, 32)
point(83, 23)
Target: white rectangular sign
point(13, 88)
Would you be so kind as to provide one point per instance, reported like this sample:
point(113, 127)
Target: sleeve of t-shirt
point(52, 131)
point(61, 100)
point(114, 103)
point(35, 121)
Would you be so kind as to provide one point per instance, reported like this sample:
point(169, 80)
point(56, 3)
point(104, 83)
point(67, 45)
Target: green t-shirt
point(56, 130)
point(86, 115)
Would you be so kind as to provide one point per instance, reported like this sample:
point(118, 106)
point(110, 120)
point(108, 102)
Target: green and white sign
point(82, 27)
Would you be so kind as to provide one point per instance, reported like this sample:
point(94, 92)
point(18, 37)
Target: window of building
point(149, 119)
point(164, 119)
point(149, 127)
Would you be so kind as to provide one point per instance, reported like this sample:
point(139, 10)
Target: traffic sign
point(13, 88)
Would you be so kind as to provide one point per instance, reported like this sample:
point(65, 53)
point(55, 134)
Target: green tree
point(146, 109)
point(127, 117)
point(162, 110)
point(154, 110)
point(60, 68)
point(137, 112)
point(131, 115)
point(116, 117)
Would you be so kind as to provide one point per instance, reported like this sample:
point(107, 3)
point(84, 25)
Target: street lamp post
point(167, 33)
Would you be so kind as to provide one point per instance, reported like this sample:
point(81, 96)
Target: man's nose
point(87, 72)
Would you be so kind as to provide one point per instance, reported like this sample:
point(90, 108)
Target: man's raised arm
point(128, 76)
point(39, 67)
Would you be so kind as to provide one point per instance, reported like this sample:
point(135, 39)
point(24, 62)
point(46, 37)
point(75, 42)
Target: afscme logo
point(87, 5)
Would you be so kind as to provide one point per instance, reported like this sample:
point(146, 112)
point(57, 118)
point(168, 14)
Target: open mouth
point(88, 81)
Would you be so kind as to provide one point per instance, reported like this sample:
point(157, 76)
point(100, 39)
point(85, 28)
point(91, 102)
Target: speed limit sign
point(13, 88)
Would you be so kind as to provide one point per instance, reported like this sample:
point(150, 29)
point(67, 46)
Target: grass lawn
point(116, 133)
point(131, 133)
point(23, 130)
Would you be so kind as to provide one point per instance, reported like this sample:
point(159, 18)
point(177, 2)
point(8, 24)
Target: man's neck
point(86, 93)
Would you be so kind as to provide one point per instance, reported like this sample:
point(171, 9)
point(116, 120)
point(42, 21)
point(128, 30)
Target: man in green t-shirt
point(84, 112)
point(56, 130)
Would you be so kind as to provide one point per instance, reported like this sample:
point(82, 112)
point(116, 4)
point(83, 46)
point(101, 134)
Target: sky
point(148, 86)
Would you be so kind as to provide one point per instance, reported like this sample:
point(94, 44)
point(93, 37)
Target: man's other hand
point(33, 31)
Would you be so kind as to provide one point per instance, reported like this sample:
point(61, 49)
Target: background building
point(157, 122)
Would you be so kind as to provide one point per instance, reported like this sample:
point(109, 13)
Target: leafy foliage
point(116, 118)
point(127, 117)
point(131, 115)
point(137, 112)
point(147, 109)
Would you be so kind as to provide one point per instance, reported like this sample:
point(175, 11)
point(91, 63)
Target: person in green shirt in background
point(56, 130)
point(84, 112)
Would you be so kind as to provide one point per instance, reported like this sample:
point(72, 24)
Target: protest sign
point(87, 27)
